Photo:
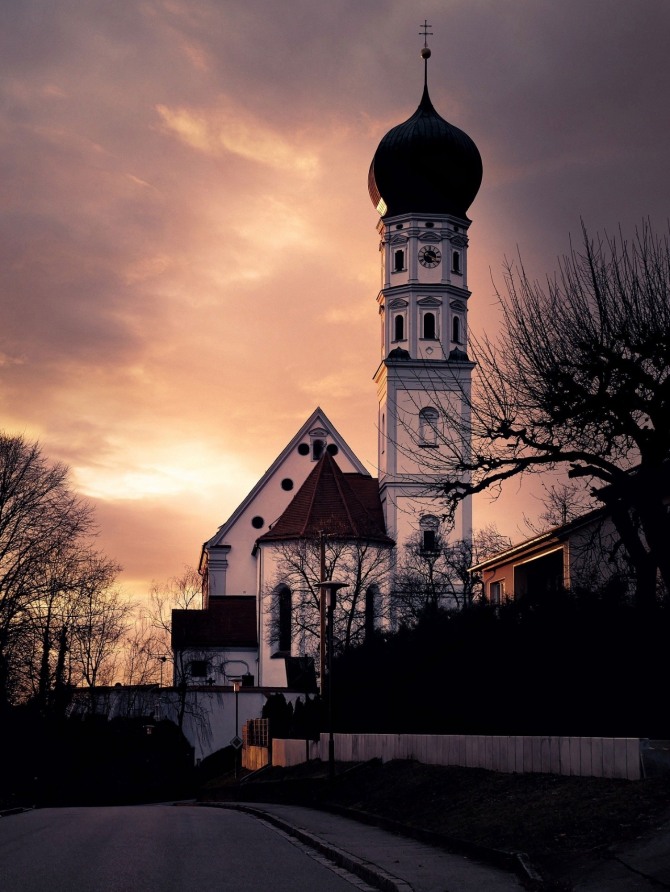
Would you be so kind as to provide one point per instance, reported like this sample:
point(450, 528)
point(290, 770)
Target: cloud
point(229, 129)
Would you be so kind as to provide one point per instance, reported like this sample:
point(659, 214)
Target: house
point(582, 553)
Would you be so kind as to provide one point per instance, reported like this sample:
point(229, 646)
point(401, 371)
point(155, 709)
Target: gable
point(270, 497)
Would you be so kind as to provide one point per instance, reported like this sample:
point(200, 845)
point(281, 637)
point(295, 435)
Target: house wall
point(586, 554)
point(223, 664)
point(210, 720)
point(615, 757)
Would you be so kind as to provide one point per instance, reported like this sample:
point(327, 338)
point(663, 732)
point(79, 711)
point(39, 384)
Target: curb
point(514, 862)
point(7, 812)
point(364, 870)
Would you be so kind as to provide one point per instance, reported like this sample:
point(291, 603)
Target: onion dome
point(425, 166)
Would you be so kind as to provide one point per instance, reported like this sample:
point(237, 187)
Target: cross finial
point(425, 33)
point(425, 51)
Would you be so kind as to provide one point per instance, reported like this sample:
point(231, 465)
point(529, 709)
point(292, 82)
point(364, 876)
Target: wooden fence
point(617, 757)
point(256, 751)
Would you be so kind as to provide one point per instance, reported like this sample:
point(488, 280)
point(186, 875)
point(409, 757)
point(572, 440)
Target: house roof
point(346, 506)
point(552, 537)
point(229, 621)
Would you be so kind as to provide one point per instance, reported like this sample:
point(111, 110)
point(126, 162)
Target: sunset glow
point(189, 256)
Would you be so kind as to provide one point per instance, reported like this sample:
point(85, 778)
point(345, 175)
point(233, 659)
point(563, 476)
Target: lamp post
point(236, 689)
point(329, 590)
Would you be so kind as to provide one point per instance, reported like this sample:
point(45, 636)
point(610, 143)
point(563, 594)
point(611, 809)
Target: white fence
point(585, 756)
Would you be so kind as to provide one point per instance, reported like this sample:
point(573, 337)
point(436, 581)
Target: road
point(155, 847)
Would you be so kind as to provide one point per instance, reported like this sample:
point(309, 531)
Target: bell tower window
point(428, 424)
point(456, 330)
point(398, 261)
point(429, 527)
point(399, 328)
point(429, 327)
point(456, 262)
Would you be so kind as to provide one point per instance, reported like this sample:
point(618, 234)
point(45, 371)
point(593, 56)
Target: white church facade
point(254, 625)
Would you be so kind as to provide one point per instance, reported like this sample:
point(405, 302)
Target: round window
point(287, 484)
point(332, 448)
point(257, 522)
point(303, 449)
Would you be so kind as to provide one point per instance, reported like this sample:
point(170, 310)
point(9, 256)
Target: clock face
point(429, 256)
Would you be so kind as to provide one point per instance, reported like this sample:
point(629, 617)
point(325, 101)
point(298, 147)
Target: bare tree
point(363, 565)
point(101, 617)
point(182, 592)
point(563, 502)
point(45, 532)
point(144, 658)
point(179, 593)
point(436, 575)
point(579, 378)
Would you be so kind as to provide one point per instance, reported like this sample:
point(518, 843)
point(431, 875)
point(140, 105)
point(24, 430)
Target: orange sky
point(189, 257)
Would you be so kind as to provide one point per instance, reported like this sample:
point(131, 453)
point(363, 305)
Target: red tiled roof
point(345, 506)
point(229, 621)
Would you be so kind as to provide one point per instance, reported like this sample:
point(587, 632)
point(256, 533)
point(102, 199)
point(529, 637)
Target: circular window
point(303, 449)
point(287, 484)
point(257, 522)
point(332, 448)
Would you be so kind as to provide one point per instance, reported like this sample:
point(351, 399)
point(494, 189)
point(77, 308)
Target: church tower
point(422, 180)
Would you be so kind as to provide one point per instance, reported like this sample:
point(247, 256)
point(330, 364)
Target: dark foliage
point(302, 721)
point(92, 761)
point(569, 666)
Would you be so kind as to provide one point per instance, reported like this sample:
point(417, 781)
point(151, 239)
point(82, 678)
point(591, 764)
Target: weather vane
point(425, 50)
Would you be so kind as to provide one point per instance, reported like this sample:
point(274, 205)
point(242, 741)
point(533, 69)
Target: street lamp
point(236, 688)
point(329, 590)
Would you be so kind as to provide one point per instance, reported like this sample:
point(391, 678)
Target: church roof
point(346, 506)
point(229, 621)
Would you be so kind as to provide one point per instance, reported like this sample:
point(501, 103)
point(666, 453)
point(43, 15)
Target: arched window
point(456, 330)
point(399, 261)
point(284, 619)
point(317, 449)
point(429, 526)
point(429, 326)
point(399, 328)
point(428, 426)
point(455, 261)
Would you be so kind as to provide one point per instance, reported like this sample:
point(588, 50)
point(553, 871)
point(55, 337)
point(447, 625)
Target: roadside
point(567, 826)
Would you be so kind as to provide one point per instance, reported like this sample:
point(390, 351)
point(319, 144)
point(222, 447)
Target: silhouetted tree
point(47, 565)
point(436, 575)
point(579, 378)
point(294, 594)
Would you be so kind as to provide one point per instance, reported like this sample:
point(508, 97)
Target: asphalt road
point(155, 847)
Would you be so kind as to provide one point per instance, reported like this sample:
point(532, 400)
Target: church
point(316, 513)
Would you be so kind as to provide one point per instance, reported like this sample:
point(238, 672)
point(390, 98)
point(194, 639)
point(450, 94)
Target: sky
point(189, 259)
